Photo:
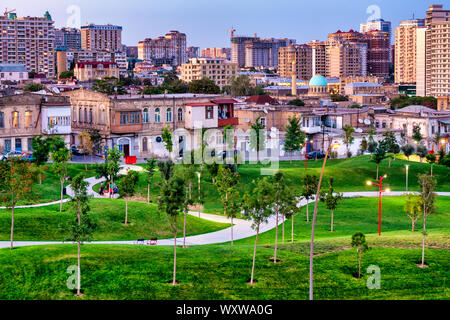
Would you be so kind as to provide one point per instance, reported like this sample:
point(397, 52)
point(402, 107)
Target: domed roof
point(318, 80)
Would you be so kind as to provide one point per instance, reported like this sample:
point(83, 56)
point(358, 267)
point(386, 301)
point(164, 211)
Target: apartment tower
point(101, 37)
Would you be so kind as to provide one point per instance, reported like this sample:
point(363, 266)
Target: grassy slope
point(217, 272)
point(44, 223)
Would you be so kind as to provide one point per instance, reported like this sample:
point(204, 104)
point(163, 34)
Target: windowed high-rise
point(170, 48)
point(101, 37)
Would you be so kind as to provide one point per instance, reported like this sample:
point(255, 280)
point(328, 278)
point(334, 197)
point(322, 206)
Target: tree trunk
point(284, 222)
point(291, 157)
point(423, 239)
point(174, 282)
point(378, 165)
point(148, 193)
point(254, 255)
point(292, 229)
point(276, 239)
point(395, 156)
point(413, 224)
point(359, 267)
point(389, 162)
point(85, 163)
point(307, 211)
point(332, 212)
point(126, 210)
point(40, 175)
point(79, 270)
point(431, 169)
point(12, 227)
point(231, 230)
point(62, 186)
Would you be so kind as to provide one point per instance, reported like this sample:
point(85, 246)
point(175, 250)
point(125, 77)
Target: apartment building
point(224, 53)
point(92, 70)
point(29, 41)
point(345, 59)
point(298, 56)
point(376, 24)
point(14, 72)
point(406, 49)
point(264, 52)
point(437, 35)
point(192, 52)
point(101, 37)
point(69, 38)
point(378, 52)
point(319, 57)
point(221, 71)
point(171, 47)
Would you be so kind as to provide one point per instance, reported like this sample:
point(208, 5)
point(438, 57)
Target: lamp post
point(311, 250)
point(407, 167)
point(379, 185)
point(199, 174)
point(306, 152)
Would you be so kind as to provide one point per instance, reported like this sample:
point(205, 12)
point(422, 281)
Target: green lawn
point(46, 223)
point(218, 272)
point(349, 175)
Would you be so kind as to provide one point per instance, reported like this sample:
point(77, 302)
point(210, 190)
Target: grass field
point(45, 223)
point(349, 175)
point(218, 272)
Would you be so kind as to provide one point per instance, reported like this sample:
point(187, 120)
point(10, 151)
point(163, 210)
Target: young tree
point(359, 242)
point(96, 139)
point(348, 137)
point(171, 202)
point(16, 181)
point(150, 166)
point(408, 150)
point(166, 169)
point(428, 196)
point(188, 176)
point(421, 151)
point(331, 200)
point(309, 190)
point(378, 156)
point(257, 137)
point(113, 165)
point(363, 146)
point(127, 188)
point(371, 147)
point(213, 169)
point(81, 228)
point(41, 150)
point(204, 85)
point(441, 155)
point(60, 159)
point(295, 137)
point(390, 144)
point(167, 139)
point(431, 159)
point(413, 208)
point(86, 145)
point(417, 136)
point(226, 183)
point(259, 207)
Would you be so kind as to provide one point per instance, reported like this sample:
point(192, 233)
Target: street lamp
point(379, 185)
point(334, 147)
point(306, 152)
point(199, 174)
point(407, 167)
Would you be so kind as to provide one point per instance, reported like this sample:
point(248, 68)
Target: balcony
point(126, 128)
point(228, 122)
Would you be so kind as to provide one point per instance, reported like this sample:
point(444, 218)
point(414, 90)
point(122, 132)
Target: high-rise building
point(377, 24)
point(224, 53)
point(345, 59)
point(193, 52)
point(378, 52)
point(171, 48)
point(221, 71)
point(406, 50)
point(29, 41)
point(437, 22)
point(420, 62)
point(69, 38)
point(101, 37)
point(298, 56)
point(351, 35)
point(238, 49)
point(319, 57)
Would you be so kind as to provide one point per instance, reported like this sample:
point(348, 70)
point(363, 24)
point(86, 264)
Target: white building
point(56, 119)
point(13, 72)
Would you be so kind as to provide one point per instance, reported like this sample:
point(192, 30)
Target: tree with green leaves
point(166, 169)
point(413, 208)
point(378, 156)
point(242, 86)
point(188, 175)
point(371, 147)
point(309, 189)
point(408, 150)
point(96, 140)
point(441, 156)
point(437, 139)
point(259, 207)
point(331, 200)
point(113, 165)
point(33, 87)
point(226, 183)
point(213, 169)
point(82, 227)
point(171, 202)
point(431, 159)
point(86, 145)
point(363, 146)
point(167, 139)
point(390, 144)
point(60, 166)
point(16, 183)
point(417, 135)
point(204, 85)
point(41, 151)
point(295, 137)
point(150, 166)
point(296, 102)
point(127, 188)
point(348, 137)
point(359, 242)
point(428, 197)
point(421, 151)
point(257, 137)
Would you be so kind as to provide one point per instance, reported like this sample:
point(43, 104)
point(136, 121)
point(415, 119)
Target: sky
point(206, 22)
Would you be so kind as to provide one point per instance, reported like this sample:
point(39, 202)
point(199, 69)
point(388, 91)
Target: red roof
point(95, 64)
point(224, 101)
point(201, 104)
point(262, 99)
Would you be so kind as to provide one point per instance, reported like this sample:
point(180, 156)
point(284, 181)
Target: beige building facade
point(221, 71)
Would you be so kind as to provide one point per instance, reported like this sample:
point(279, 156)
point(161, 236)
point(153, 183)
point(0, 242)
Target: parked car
point(3, 156)
point(76, 151)
point(13, 154)
point(28, 156)
point(315, 155)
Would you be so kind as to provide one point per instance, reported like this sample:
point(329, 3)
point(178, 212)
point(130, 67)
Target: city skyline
point(206, 24)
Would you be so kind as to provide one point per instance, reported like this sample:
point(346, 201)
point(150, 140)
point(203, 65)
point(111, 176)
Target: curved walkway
point(242, 228)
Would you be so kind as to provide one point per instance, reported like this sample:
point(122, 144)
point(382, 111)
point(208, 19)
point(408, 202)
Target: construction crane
point(7, 12)
point(231, 31)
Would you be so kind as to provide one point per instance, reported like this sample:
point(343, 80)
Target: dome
point(318, 80)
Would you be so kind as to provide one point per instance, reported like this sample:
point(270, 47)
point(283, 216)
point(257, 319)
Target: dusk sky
point(205, 21)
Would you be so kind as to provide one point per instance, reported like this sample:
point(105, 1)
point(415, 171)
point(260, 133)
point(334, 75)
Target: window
point(15, 119)
point(103, 117)
point(2, 120)
point(28, 118)
point(145, 116)
point(74, 114)
point(80, 115)
point(209, 112)
point(169, 115)
point(85, 115)
point(157, 115)
point(30, 145)
point(129, 118)
point(180, 115)
point(90, 115)
point(8, 145)
point(18, 144)
point(263, 121)
point(144, 145)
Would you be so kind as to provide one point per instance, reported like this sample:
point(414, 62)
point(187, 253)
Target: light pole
point(306, 152)
point(199, 174)
point(380, 184)
point(311, 250)
point(407, 167)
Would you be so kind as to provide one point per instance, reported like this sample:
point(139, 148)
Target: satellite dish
point(158, 139)
point(367, 122)
point(360, 120)
point(265, 111)
point(359, 130)
point(56, 90)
